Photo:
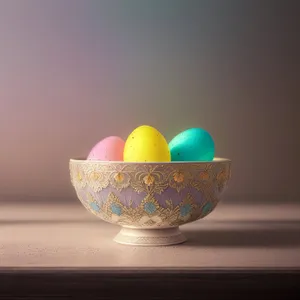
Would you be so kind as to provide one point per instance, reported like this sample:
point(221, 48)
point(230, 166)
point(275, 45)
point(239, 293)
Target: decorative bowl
point(150, 200)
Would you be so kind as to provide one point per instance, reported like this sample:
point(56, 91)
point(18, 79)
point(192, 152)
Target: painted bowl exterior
point(150, 195)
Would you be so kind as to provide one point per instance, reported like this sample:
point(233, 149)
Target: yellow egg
point(146, 144)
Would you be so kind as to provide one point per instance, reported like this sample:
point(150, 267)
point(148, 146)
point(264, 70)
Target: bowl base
point(150, 237)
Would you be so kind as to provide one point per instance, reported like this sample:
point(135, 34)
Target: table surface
point(232, 236)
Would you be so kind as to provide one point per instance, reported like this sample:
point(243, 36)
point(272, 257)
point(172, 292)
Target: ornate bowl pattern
point(149, 195)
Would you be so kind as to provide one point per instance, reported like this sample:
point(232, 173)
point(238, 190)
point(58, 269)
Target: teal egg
point(194, 144)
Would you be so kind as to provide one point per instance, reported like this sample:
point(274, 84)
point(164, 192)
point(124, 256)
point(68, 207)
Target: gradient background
point(73, 72)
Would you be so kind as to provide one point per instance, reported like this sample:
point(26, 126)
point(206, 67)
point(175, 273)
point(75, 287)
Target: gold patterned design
point(90, 178)
point(97, 181)
point(171, 213)
point(222, 178)
point(204, 176)
point(148, 178)
point(119, 180)
point(95, 178)
point(203, 179)
point(179, 179)
point(119, 177)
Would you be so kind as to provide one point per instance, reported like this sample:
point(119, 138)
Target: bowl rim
point(216, 160)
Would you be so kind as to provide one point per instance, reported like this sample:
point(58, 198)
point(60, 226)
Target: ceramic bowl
point(150, 200)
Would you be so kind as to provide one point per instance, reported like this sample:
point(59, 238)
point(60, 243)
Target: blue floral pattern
point(116, 209)
point(149, 208)
point(94, 206)
point(185, 210)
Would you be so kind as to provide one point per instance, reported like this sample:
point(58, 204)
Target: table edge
point(166, 283)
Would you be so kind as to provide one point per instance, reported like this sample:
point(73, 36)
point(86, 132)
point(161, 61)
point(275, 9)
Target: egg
point(108, 149)
point(146, 144)
point(194, 144)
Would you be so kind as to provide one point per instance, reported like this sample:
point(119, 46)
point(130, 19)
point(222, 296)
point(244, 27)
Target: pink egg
point(108, 149)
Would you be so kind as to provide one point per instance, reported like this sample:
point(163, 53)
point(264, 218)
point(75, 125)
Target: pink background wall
point(73, 72)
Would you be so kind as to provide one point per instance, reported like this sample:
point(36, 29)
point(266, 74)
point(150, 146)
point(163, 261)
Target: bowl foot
point(150, 237)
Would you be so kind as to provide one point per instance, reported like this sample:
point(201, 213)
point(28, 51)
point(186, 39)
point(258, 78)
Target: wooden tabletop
point(232, 236)
point(42, 240)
